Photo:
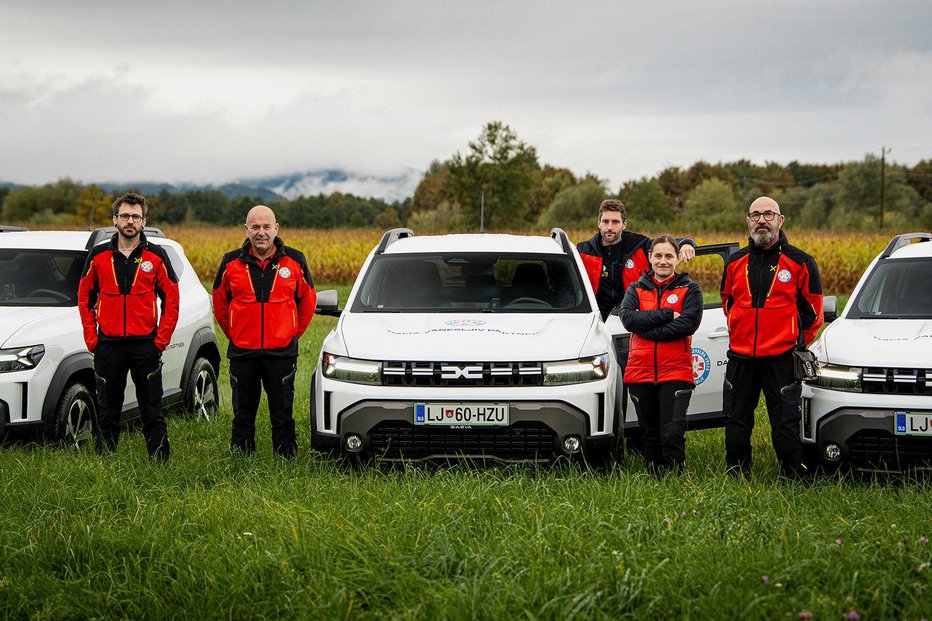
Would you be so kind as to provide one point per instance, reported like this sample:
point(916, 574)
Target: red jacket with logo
point(118, 295)
point(772, 299)
point(661, 346)
point(264, 306)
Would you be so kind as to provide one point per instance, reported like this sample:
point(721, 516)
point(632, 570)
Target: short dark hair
point(664, 239)
point(130, 198)
point(613, 204)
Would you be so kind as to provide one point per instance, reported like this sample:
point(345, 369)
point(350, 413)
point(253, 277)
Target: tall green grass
point(211, 535)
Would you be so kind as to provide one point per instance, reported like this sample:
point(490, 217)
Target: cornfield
point(335, 255)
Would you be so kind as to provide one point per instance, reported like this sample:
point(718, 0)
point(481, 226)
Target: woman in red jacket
point(662, 310)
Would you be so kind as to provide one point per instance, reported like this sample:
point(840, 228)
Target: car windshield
point(40, 277)
point(897, 288)
point(472, 282)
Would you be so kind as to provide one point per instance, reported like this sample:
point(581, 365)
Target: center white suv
point(871, 405)
point(46, 373)
point(477, 346)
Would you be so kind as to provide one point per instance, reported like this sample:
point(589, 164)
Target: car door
point(709, 345)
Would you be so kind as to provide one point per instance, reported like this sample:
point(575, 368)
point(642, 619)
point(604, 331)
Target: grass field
point(213, 536)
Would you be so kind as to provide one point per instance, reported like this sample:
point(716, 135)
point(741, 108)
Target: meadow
point(217, 536)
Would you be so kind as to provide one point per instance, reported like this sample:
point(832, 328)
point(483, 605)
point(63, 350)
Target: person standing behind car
point(772, 297)
point(615, 258)
point(264, 300)
point(117, 297)
point(662, 310)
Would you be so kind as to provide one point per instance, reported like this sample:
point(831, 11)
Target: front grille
point(401, 373)
point(524, 440)
point(897, 381)
point(883, 450)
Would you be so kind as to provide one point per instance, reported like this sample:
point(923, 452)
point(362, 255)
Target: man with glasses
point(123, 282)
point(772, 297)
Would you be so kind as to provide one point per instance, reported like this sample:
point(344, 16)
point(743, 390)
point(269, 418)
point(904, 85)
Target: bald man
point(772, 297)
point(264, 300)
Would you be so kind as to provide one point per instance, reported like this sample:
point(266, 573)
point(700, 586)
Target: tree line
point(501, 176)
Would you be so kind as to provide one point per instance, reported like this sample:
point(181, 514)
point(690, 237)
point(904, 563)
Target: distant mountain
point(273, 189)
point(312, 183)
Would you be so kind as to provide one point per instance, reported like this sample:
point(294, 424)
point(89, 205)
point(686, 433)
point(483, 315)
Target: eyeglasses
point(126, 217)
point(766, 215)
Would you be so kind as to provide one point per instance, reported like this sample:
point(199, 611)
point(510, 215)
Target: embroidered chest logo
point(629, 264)
point(146, 266)
point(284, 272)
point(673, 298)
point(784, 275)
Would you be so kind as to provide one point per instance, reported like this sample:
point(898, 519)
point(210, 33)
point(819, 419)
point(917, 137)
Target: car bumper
point(862, 426)
point(542, 421)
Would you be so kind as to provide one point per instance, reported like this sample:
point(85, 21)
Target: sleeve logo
point(673, 298)
point(284, 272)
point(784, 275)
point(629, 264)
point(146, 266)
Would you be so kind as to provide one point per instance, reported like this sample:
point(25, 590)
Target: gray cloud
point(184, 91)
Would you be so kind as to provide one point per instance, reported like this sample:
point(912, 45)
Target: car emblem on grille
point(465, 322)
point(455, 371)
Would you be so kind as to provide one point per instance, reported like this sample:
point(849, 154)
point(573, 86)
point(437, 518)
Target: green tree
point(56, 198)
point(647, 204)
point(920, 178)
point(445, 217)
point(575, 206)
point(93, 199)
point(499, 167)
point(857, 197)
point(711, 206)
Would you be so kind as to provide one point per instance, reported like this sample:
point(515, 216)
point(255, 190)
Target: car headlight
point(346, 369)
point(576, 371)
point(20, 358)
point(836, 377)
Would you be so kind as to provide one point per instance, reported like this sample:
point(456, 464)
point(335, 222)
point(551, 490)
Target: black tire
point(74, 416)
point(201, 394)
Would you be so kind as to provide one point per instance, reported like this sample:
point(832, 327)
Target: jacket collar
point(775, 249)
point(114, 242)
point(247, 255)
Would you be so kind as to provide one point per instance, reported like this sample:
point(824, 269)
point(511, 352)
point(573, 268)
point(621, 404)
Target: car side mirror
point(327, 303)
point(830, 308)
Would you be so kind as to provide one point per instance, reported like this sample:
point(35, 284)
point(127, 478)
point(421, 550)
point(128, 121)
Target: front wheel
point(73, 418)
point(201, 397)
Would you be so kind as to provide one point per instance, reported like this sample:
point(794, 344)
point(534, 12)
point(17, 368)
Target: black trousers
point(661, 410)
point(143, 361)
point(744, 380)
point(248, 375)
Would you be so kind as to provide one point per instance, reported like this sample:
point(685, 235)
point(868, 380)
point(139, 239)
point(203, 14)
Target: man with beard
point(264, 300)
point(615, 258)
point(772, 297)
point(123, 280)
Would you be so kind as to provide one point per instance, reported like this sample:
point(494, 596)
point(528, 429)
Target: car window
point(40, 277)
point(896, 288)
point(472, 282)
point(706, 270)
point(176, 261)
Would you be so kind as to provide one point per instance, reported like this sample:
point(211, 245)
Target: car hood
point(487, 337)
point(27, 325)
point(879, 342)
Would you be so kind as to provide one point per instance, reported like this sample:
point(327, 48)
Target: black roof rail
point(99, 236)
point(560, 236)
point(9, 228)
point(902, 240)
point(391, 237)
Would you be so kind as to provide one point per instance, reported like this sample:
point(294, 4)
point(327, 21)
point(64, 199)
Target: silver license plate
point(912, 424)
point(448, 414)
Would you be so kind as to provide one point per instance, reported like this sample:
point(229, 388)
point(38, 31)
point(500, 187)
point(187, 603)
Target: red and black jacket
point(612, 269)
point(264, 306)
point(117, 297)
point(772, 299)
point(661, 346)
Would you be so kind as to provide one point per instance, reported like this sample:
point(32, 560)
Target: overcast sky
point(211, 92)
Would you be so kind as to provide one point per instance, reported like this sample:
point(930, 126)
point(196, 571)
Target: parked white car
point(871, 405)
point(47, 374)
point(479, 346)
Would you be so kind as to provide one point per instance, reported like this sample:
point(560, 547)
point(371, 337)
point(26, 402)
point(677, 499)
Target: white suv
point(871, 405)
point(47, 374)
point(477, 346)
